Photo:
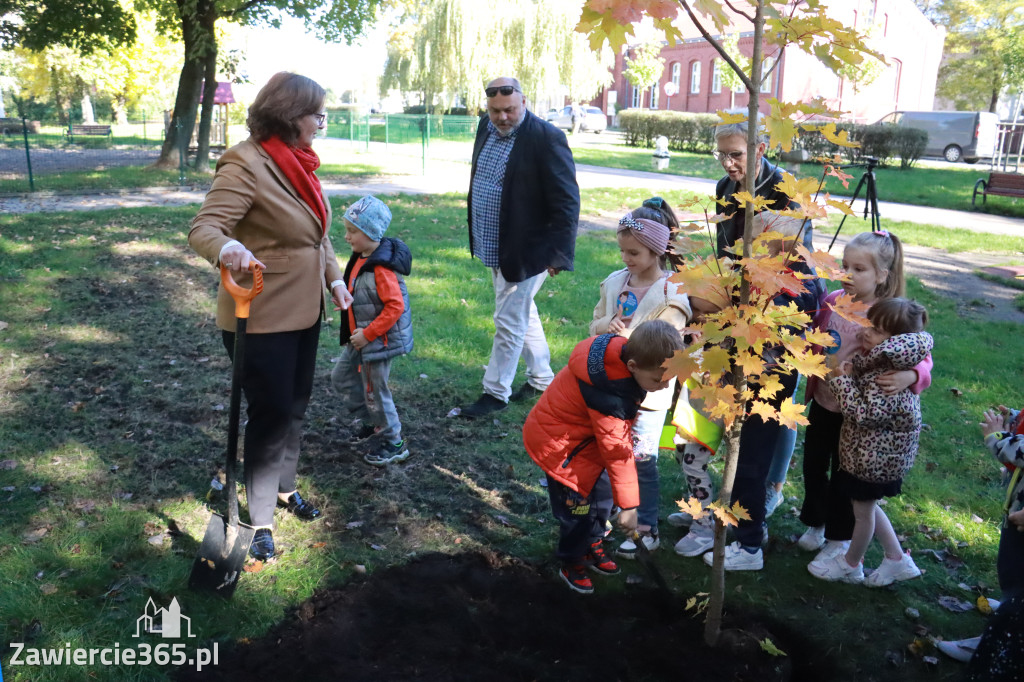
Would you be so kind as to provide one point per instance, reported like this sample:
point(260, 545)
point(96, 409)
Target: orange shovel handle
point(240, 294)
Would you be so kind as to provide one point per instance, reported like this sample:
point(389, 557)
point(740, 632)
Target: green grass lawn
point(113, 392)
point(946, 187)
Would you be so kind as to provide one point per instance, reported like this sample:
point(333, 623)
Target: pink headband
point(650, 233)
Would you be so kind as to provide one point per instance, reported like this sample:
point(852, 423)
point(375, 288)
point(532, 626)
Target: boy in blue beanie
point(377, 328)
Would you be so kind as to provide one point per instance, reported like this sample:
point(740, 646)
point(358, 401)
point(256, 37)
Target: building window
point(654, 96)
point(766, 81)
point(636, 97)
point(694, 78)
point(716, 76)
point(675, 75)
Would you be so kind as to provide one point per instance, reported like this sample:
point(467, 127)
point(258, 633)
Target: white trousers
point(517, 331)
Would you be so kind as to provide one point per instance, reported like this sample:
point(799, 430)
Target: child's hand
point(616, 325)
point(844, 369)
point(357, 339)
point(1017, 519)
point(992, 422)
point(893, 381)
point(627, 520)
point(341, 297)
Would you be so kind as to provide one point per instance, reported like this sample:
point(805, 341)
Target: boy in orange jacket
point(579, 434)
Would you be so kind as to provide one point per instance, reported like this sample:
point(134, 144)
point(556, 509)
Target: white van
point(953, 135)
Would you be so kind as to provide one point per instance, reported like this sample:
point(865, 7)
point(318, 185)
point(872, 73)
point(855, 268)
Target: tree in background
point(124, 78)
point(81, 25)
point(644, 68)
point(446, 50)
point(983, 50)
point(195, 23)
point(746, 283)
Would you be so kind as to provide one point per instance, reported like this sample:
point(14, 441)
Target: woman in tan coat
point(266, 209)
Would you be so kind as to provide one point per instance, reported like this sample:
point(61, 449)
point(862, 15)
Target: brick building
point(911, 44)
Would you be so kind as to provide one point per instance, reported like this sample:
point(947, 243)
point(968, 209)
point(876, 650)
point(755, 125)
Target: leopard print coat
point(878, 440)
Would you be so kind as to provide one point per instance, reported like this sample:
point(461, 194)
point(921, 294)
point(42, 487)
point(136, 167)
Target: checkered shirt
point(486, 193)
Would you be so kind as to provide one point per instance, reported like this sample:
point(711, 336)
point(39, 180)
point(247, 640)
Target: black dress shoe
point(262, 547)
point(298, 506)
point(486, 404)
point(525, 392)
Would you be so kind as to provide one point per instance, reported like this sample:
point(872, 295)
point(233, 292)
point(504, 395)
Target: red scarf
point(298, 165)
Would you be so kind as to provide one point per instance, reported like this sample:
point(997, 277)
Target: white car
point(594, 120)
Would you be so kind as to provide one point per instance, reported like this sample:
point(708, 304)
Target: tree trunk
point(196, 40)
point(206, 116)
point(716, 602)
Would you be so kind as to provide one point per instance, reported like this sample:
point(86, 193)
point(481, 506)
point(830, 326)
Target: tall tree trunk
point(196, 41)
point(206, 115)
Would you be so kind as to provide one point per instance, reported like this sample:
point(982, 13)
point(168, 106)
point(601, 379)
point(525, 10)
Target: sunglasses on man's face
point(503, 89)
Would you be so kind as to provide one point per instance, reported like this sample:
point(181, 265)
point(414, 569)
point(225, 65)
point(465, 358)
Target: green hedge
point(884, 142)
point(685, 131)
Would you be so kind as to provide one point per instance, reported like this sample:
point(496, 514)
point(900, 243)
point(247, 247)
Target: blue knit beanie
point(371, 216)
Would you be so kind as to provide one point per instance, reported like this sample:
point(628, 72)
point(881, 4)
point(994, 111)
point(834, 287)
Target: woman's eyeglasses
point(320, 118)
point(503, 89)
point(722, 157)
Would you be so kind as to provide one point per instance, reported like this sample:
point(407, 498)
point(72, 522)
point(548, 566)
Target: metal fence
point(49, 157)
point(426, 136)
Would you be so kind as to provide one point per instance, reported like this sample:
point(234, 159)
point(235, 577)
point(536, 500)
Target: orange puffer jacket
point(581, 424)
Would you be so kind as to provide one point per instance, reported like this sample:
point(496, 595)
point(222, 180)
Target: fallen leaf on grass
point(955, 605)
point(48, 588)
point(956, 391)
point(157, 539)
point(359, 568)
point(983, 605)
point(633, 579)
point(34, 535)
point(503, 521)
point(8, 464)
point(353, 524)
point(318, 545)
point(254, 567)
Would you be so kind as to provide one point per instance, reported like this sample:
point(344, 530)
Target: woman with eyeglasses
point(266, 209)
point(731, 152)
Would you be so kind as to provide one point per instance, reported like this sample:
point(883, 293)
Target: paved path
point(457, 180)
point(948, 274)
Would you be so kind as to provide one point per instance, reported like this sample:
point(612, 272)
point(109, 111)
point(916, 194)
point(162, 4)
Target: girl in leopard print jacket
point(878, 439)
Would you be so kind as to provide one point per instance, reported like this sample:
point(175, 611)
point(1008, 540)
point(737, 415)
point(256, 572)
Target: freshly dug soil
point(490, 617)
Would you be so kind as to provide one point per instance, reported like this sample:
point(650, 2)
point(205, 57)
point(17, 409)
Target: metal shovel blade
point(643, 555)
point(219, 562)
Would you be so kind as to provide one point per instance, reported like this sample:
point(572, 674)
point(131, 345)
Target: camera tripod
point(867, 182)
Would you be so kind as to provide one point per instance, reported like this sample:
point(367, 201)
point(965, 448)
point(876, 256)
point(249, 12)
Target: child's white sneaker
point(628, 549)
point(679, 519)
point(835, 569)
point(812, 539)
point(738, 559)
point(832, 548)
point(892, 571)
point(699, 540)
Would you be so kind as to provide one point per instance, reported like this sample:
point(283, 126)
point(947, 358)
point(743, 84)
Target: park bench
point(89, 129)
point(999, 184)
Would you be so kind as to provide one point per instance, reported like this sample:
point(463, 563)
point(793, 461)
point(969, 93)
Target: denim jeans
point(646, 434)
point(517, 331)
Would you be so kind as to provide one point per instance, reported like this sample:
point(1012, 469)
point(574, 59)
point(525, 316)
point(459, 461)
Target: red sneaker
point(575, 576)
point(601, 562)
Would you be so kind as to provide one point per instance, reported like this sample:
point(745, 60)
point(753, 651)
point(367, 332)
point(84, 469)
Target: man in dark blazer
point(524, 206)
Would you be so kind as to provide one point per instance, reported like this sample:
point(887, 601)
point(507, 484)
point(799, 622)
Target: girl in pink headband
point(637, 293)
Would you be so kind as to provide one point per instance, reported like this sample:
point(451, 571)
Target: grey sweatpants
point(365, 393)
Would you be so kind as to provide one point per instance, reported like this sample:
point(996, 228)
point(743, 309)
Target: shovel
point(226, 543)
point(643, 555)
